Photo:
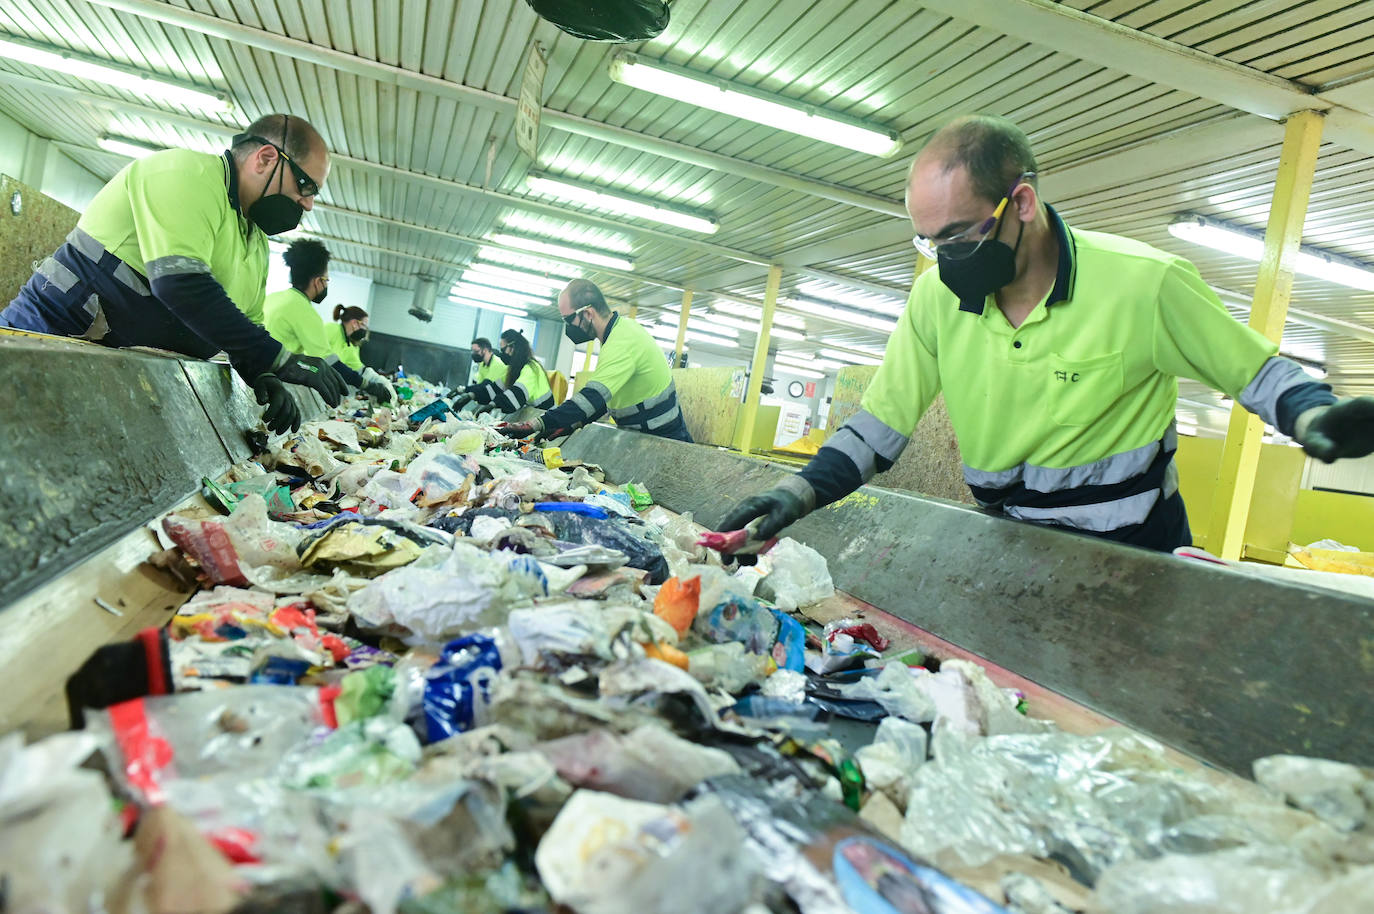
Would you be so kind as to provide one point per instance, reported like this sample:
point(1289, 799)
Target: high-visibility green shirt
point(292, 319)
point(531, 388)
point(168, 213)
point(632, 381)
point(1067, 419)
point(349, 353)
point(493, 370)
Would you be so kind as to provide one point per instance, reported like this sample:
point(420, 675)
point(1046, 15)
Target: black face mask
point(575, 333)
point(987, 269)
point(276, 213)
point(505, 359)
point(357, 336)
point(323, 292)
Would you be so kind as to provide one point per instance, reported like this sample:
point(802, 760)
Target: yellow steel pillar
point(1282, 239)
point(751, 400)
point(634, 311)
point(591, 347)
point(682, 327)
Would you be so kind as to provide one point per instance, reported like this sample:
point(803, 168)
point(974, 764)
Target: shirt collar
point(231, 182)
point(610, 325)
point(1068, 260)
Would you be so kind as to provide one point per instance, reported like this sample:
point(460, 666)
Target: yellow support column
point(682, 326)
point(634, 311)
point(1273, 286)
point(751, 400)
point(591, 347)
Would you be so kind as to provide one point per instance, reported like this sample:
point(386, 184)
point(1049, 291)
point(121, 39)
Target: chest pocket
point(1081, 390)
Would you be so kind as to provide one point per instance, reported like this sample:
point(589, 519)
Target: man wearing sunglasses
point(172, 254)
point(1058, 351)
point(631, 381)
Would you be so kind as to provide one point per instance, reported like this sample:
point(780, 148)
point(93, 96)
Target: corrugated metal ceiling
point(898, 64)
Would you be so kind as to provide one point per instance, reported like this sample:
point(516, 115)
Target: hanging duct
point(422, 305)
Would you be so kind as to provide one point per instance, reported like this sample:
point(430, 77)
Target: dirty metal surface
point(231, 407)
point(93, 442)
point(1218, 664)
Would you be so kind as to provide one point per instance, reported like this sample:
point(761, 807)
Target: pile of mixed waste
point(429, 671)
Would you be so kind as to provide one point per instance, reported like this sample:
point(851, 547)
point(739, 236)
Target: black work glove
point(1344, 429)
point(780, 507)
point(313, 373)
point(282, 413)
point(377, 391)
point(461, 403)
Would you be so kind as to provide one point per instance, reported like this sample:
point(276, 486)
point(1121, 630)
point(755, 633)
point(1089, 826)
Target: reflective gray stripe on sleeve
point(91, 249)
point(671, 415)
point(1105, 472)
point(56, 273)
point(1275, 378)
point(583, 405)
point(95, 252)
point(856, 449)
point(125, 274)
point(1099, 518)
point(885, 440)
point(513, 398)
point(658, 399)
point(176, 265)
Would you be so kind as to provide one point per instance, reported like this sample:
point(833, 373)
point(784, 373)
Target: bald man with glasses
point(172, 254)
point(1058, 351)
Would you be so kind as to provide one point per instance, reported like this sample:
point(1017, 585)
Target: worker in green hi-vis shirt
point(172, 254)
point(290, 316)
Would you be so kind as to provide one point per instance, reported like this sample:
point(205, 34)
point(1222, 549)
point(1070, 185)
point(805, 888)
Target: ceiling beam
point(1162, 62)
point(491, 101)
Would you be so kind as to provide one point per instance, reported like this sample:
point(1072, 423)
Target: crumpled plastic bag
point(799, 576)
point(471, 589)
point(728, 613)
point(1088, 801)
point(246, 543)
point(1336, 792)
point(890, 761)
point(649, 763)
point(1242, 880)
point(583, 627)
point(61, 846)
point(608, 855)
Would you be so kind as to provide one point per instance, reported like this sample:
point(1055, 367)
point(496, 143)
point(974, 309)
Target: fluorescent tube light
point(669, 335)
point(125, 147)
point(539, 246)
point(756, 314)
point(110, 74)
point(850, 357)
point(839, 295)
point(534, 224)
point(1243, 243)
point(550, 268)
point(832, 341)
point(486, 305)
point(532, 283)
point(806, 361)
point(608, 201)
point(497, 296)
point(751, 105)
point(844, 316)
point(776, 332)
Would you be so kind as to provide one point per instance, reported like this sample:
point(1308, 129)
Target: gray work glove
point(1340, 430)
point(779, 507)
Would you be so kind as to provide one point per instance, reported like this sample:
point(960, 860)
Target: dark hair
point(349, 313)
point(296, 135)
point(481, 343)
point(307, 259)
point(583, 293)
point(993, 149)
point(517, 360)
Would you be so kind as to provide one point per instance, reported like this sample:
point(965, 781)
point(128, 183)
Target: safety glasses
point(306, 186)
point(963, 245)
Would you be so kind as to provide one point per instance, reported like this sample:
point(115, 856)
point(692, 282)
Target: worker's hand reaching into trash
point(313, 373)
point(378, 391)
point(282, 413)
point(779, 507)
point(522, 430)
point(1341, 430)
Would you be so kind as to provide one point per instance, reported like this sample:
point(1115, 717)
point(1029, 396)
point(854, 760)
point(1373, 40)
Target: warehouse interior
point(482, 157)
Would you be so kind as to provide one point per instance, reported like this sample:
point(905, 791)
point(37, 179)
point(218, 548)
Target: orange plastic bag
point(667, 653)
point(677, 602)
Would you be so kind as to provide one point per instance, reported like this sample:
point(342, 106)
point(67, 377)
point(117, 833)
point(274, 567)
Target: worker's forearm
point(201, 303)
